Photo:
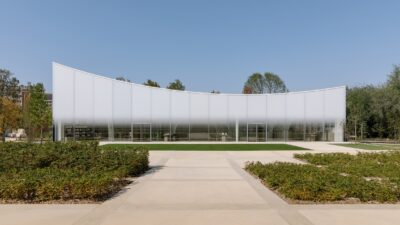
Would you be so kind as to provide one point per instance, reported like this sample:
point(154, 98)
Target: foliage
point(9, 95)
point(151, 83)
point(121, 78)
point(38, 110)
point(376, 146)
point(373, 111)
point(335, 177)
point(176, 85)
point(52, 171)
point(10, 116)
point(206, 147)
point(267, 83)
point(274, 84)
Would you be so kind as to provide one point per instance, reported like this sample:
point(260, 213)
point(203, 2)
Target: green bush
point(53, 171)
point(334, 177)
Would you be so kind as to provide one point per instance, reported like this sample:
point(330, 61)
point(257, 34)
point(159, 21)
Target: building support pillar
point(237, 131)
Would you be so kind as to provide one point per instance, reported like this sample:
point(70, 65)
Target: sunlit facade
point(87, 106)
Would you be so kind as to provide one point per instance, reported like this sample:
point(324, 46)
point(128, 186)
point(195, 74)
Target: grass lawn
point(334, 177)
point(371, 146)
point(206, 147)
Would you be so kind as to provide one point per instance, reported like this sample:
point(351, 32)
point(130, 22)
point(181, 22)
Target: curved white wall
point(84, 98)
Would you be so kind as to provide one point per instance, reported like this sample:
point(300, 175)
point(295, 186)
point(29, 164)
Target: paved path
point(202, 188)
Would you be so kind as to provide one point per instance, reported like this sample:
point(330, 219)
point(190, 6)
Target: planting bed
point(334, 177)
point(65, 171)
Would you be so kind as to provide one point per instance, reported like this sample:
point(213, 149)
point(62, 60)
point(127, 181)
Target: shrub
point(334, 177)
point(53, 171)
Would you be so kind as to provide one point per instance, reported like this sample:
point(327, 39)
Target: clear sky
point(206, 44)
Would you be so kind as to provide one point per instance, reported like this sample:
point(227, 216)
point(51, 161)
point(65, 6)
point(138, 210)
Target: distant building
point(88, 106)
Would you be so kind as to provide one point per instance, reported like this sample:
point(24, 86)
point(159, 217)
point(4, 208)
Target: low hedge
point(334, 177)
point(65, 171)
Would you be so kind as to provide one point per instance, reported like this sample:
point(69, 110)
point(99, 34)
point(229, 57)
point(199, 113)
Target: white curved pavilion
point(88, 106)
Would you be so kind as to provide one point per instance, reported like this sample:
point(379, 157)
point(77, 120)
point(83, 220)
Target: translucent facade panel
point(122, 93)
point(160, 105)
point(180, 107)
point(63, 93)
point(84, 93)
point(218, 108)
point(141, 104)
point(335, 104)
point(102, 101)
point(237, 107)
point(256, 108)
point(314, 102)
point(276, 106)
point(295, 107)
point(87, 106)
point(198, 108)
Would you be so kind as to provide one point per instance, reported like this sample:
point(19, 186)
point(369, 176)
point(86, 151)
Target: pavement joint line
point(100, 212)
point(192, 179)
point(195, 206)
point(288, 213)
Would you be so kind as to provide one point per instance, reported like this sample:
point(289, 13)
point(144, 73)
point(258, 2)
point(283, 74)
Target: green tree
point(39, 109)
point(10, 116)
point(255, 84)
point(267, 83)
point(176, 85)
point(9, 92)
point(274, 84)
point(121, 78)
point(151, 83)
point(393, 106)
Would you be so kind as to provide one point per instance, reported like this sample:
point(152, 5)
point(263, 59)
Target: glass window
point(160, 132)
point(296, 132)
point(122, 133)
point(141, 132)
point(180, 132)
point(276, 132)
point(199, 132)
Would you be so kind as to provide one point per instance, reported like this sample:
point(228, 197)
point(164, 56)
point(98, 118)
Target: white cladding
point(84, 98)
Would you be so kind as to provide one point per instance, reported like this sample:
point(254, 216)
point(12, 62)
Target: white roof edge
point(194, 92)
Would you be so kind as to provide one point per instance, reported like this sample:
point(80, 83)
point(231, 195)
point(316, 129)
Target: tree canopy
point(151, 83)
point(176, 85)
point(39, 110)
point(9, 95)
point(121, 78)
point(268, 82)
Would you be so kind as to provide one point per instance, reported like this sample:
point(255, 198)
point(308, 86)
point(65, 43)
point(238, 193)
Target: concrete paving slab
point(42, 214)
point(195, 173)
point(196, 217)
point(196, 192)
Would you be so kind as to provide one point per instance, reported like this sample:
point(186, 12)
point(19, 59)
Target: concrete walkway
point(203, 188)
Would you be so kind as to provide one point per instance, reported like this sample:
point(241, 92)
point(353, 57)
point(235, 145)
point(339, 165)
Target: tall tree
point(10, 116)
point(121, 78)
point(9, 92)
point(255, 83)
point(267, 83)
point(274, 84)
point(176, 85)
point(39, 109)
point(393, 111)
point(151, 83)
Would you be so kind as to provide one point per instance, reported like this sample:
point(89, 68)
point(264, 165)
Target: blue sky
point(207, 44)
